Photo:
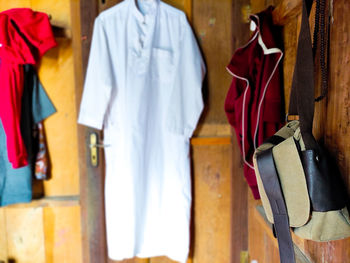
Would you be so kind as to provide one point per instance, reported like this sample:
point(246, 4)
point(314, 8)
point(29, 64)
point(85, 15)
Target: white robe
point(143, 88)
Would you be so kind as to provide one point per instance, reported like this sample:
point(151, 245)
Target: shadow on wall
point(9, 260)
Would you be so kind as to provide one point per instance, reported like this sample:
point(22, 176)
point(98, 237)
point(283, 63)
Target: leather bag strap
point(269, 177)
point(302, 101)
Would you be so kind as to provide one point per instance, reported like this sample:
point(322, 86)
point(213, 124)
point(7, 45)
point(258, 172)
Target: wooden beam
point(211, 141)
point(91, 179)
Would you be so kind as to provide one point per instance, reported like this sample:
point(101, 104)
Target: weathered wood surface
point(25, 235)
point(331, 121)
point(62, 230)
point(212, 202)
point(61, 127)
point(3, 236)
point(48, 230)
point(213, 30)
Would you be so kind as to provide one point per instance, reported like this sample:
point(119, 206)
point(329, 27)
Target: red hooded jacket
point(254, 103)
point(25, 36)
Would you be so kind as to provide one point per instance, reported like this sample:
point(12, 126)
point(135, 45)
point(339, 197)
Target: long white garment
point(143, 87)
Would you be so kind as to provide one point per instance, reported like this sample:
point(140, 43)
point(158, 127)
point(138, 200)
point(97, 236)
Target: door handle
point(93, 149)
point(94, 145)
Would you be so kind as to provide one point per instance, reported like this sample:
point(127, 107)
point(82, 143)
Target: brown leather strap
point(302, 101)
point(269, 177)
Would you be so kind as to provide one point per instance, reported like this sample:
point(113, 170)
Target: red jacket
point(254, 102)
point(24, 37)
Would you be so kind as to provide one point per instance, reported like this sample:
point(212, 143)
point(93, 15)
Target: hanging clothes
point(25, 36)
point(16, 184)
point(254, 102)
point(143, 87)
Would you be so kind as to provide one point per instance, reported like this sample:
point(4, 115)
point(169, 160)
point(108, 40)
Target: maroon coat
point(254, 102)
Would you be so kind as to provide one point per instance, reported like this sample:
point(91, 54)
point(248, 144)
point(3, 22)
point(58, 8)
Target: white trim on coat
point(267, 51)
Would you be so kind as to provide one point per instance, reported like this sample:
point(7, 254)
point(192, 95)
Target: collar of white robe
point(143, 9)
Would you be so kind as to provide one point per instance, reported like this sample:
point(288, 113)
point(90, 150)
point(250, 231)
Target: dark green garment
point(16, 184)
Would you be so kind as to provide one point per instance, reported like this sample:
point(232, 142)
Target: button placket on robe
point(146, 24)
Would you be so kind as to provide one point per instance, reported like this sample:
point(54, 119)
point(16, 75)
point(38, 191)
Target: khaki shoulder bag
point(298, 181)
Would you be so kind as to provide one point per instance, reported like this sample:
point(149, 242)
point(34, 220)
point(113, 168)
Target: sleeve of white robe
point(187, 99)
point(98, 81)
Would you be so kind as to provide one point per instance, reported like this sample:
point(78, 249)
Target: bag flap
point(292, 179)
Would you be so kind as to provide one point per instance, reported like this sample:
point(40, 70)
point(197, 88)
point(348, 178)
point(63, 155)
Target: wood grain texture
point(336, 132)
point(25, 235)
point(61, 127)
point(185, 5)
point(290, 33)
point(262, 245)
point(212, 201)
point(239, 210)
point(4, 5)
point(105, 4)
point(211, 130)
point(91, 179)
point(62, 234)
point(211, 140)
point(331, 121)
point(3, 236)
point(338, 109)
point(59, 11)
point(210, 22)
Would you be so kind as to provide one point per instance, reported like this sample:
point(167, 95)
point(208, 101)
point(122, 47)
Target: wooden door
point(214, 193)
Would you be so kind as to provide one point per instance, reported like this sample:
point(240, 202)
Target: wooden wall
point(212, 151)
point(331, 125)
point(60, 227)
point(49, 229)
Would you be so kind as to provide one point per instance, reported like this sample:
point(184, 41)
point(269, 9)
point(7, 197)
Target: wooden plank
point(59, 11)
point(262, 245)
point(57, 75)
point(63, 234)
point(290, 32)
point(212, 202)
point(185, 5)
point(210, 22)
point(211, 141)
point(331, 116)
point(338, 107)
point(261, 220)
point(48, 202)
point(212, 129)
point(3, 236)
point(105, 4)
point(25, 235)
point(337, 128)
point(239, 210)
point(162, 260)
point(91, 179)
point(77, 43)
point(4, 5)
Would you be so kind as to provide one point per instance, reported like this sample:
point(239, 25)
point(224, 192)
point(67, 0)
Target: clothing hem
point(46, 45)
point(148, 256)
point(16, 199)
